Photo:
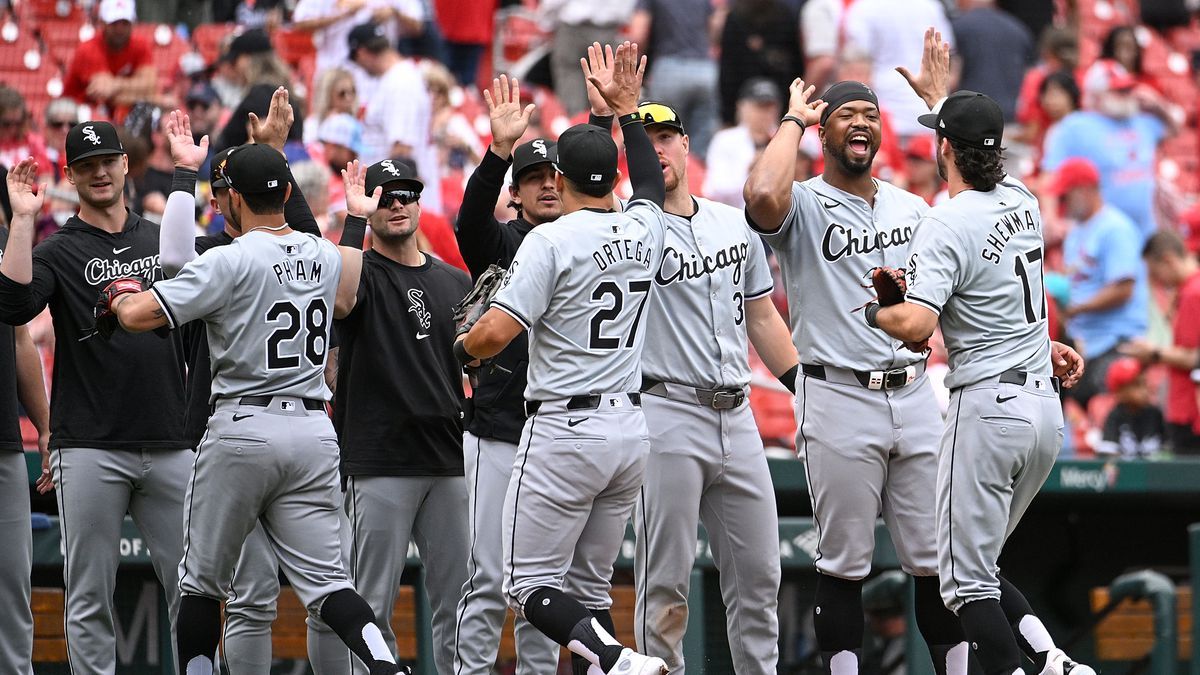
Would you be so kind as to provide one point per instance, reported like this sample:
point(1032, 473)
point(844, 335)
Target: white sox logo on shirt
point(678, 266)
point(387, 166)
point(842, 242)
point(90, 134)
point(416, 305)
point(539, 146)
point(98, 271)
point(910, 272)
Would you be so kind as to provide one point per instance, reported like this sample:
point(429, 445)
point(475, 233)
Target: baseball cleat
point(1058, 663)
point(633, 663)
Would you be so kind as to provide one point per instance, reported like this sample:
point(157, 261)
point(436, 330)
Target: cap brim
point(408, 181)
point(219, 183)
point(669, 123)
point(96, 153)
point(517, 171)
point(928, 120)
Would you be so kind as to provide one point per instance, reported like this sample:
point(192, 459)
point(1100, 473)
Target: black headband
point(841, 93)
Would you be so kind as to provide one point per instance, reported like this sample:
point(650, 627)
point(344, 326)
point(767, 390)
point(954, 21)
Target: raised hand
point(273, 131)
point(599, 106)
point(932, 84)
point(617, 77)
point(509, 119)
point(25, 194)
point(185, 153)
point(358, 202)
point(800, 106)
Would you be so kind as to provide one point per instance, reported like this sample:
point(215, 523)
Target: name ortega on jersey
point(288, 270)
point(678, 266)
point(623, 250)
point(842, 242)
point(99, 271)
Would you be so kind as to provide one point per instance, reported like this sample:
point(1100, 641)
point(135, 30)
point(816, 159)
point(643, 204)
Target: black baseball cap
point(253, 41)
point(968, 117)
point(528, 155)
point(255, 168)
point(653, 112)
point(216, 175)
point(760, 89)
point(391, 171)
point(587, 155)
point(89, 139)
point(369, 36)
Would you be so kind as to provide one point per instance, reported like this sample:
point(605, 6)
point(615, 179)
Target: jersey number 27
point(597, 339)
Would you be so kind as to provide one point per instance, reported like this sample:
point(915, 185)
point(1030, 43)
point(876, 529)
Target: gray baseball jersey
point(581, 285)
point(826, 245)
point(268, 301)
point(711, 265)
point(976, 260)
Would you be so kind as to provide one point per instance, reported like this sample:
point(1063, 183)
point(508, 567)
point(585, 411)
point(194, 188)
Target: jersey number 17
point(1033, 257)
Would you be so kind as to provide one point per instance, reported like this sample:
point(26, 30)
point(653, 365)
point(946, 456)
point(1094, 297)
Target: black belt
point(1019, 377)
point(872, 379)
point(264, 401)
point(717, 399)
point(581, 402)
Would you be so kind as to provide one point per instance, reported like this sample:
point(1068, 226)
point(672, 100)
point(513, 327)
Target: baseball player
point(580, 285)
point(866, 414)
point(20, 380)
point(496, 411)
point(398, 408)
point(117, 442)
point(269, 453)
point(706, 455)
point(975, 268)
point(250, 607)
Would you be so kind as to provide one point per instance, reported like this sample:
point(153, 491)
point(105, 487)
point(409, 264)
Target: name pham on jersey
point(298, 269)
point(619, 250)
point(1006, 228)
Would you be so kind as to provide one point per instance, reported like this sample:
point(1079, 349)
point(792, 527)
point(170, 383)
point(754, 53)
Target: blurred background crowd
point(1100, 97)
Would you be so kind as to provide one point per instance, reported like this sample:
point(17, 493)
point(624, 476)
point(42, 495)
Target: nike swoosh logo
point(1002, 399)
point(572, 423)
point(829, 205)
point(119, 251)
point(422, 336)
point(239, 418)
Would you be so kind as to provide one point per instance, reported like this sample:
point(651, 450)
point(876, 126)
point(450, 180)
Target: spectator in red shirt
point(1059, 52)
point(17, 139)
point(114, 69)
point(1173, 266)
point(467, 29)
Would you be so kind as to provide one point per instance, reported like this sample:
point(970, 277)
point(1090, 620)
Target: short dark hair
point(981, 169)
point(1064, 80)
point(265, 203)
point(590, 190)
point(1164, 242)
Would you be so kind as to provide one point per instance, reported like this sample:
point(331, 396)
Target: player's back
point(978, 259)
point(581, 285)
point(268, 303)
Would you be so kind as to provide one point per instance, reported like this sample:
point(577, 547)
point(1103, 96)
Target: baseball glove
point(467, 312)
point(106, 318)
point(890, 285)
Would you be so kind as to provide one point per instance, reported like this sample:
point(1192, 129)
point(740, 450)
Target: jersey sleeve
point(529, 283)
point(652, 217)
point(759, 281)
point(778, 237)
point(934, 265)
point(200, 290)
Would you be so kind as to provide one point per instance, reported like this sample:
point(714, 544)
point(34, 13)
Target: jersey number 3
point(597, 339)
point(1033, 257)
point(316, 330)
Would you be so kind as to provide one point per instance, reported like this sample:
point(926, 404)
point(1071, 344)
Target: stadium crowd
point(1100, 97)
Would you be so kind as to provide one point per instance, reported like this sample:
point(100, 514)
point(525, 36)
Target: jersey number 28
point(316, 330)
point(597, 339)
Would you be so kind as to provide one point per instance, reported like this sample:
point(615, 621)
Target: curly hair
point(981, 169)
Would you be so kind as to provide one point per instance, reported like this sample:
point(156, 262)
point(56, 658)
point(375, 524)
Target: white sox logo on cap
point(539, 146)
point(90, 134)
point(387, 166)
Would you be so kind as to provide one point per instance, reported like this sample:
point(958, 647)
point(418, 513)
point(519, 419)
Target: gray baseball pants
point(95, 489)
point(481, 612)
point(709, 463)
point(16, 564)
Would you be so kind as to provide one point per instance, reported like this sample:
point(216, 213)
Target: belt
point(717, 399)
point(264, 401)
point(581, 402)
point(1020, 377)
point(871, 379)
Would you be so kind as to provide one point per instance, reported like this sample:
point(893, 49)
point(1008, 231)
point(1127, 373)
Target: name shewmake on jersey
point(1006, 228)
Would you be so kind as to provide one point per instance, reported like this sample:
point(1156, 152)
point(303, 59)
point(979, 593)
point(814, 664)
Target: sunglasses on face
point(60, 124)
point(657, 113)
point(405, 197)
point(344, 93)
point(11, 124)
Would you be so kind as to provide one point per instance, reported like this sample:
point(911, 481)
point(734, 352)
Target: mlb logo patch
point(616, 402)
point(596, 178)
point(272, 183)
point(287, 406)
point(989, 141)
point(291, 249)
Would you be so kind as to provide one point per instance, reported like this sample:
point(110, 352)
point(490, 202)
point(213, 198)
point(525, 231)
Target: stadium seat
point(207, 39)
point(32, 11)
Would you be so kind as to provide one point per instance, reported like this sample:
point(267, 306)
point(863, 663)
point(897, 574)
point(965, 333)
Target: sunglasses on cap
point(657, 113)
point(405, 197)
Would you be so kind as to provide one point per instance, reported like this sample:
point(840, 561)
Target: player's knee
point(251, 613)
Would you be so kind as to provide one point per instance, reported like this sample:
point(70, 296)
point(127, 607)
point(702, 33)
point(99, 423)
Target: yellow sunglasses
point(657, 113)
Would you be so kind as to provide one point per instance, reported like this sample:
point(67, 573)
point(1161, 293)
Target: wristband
point(634, 116)
point(797, 120)
point(869, 313)
point(460, 352)
point(788, 379)
point(353, 231)
point(184, 180)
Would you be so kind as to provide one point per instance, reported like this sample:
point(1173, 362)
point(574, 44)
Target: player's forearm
point(139, 312)
point(1175, 356)
point(770, 336)
point(768, 189)
point(298, 213)
point(31, 387)
point(140, 86)
point(491, 334)
point(645, 173)
point(177, 234)
point(1111, 296)
point(17, 262)
point(906, 322)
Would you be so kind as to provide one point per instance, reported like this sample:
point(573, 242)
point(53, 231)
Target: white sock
point(957, 659)
point(844, 662)
point(374, 639)
point(199, 665)
point(1035, 633)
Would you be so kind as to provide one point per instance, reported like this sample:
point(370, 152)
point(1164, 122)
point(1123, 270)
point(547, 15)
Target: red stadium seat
point(41, 10)
point(293, 46)
point(207, 39)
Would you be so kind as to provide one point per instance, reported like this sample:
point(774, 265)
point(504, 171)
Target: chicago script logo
point(97, 271)
point(842, 242)
point(679, 266)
